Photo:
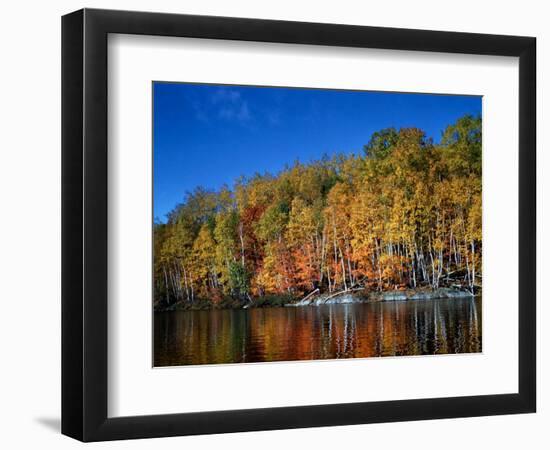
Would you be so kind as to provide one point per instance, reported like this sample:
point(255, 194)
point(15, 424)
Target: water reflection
point(324, 332)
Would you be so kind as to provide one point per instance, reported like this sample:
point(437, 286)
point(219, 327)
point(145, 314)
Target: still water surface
point(420, 327)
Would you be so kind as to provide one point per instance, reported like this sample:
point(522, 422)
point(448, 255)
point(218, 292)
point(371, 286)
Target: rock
point(345, 298)
point(387, 296)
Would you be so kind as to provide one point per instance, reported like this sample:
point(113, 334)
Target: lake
point(357, 330)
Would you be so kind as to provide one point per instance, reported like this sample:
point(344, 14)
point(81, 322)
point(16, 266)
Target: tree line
point(406, 213)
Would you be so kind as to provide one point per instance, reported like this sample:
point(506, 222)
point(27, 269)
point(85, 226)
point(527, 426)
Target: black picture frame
point(84, 224)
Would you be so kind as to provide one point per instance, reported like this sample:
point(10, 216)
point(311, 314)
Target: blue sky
point(209, 135)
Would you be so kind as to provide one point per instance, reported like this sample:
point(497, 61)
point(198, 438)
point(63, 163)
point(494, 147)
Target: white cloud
point(231, 105)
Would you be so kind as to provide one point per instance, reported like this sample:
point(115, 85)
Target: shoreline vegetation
point(400, 221)
point(315, 298)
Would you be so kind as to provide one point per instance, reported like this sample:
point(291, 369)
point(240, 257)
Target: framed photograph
point(273, 224)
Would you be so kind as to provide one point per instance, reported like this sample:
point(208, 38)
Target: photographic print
point(297, 224)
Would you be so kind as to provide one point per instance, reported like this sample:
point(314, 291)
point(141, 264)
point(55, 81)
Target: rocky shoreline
point(316, 298)
point(360, 296)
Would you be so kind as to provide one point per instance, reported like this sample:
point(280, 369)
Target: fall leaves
point(407, 213)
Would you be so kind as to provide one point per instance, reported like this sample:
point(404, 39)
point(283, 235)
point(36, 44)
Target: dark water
point(421, 327)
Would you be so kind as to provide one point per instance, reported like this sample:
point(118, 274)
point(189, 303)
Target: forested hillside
point(406, 213)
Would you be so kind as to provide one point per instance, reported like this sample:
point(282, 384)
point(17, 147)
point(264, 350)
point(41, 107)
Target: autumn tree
point(405, 213)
